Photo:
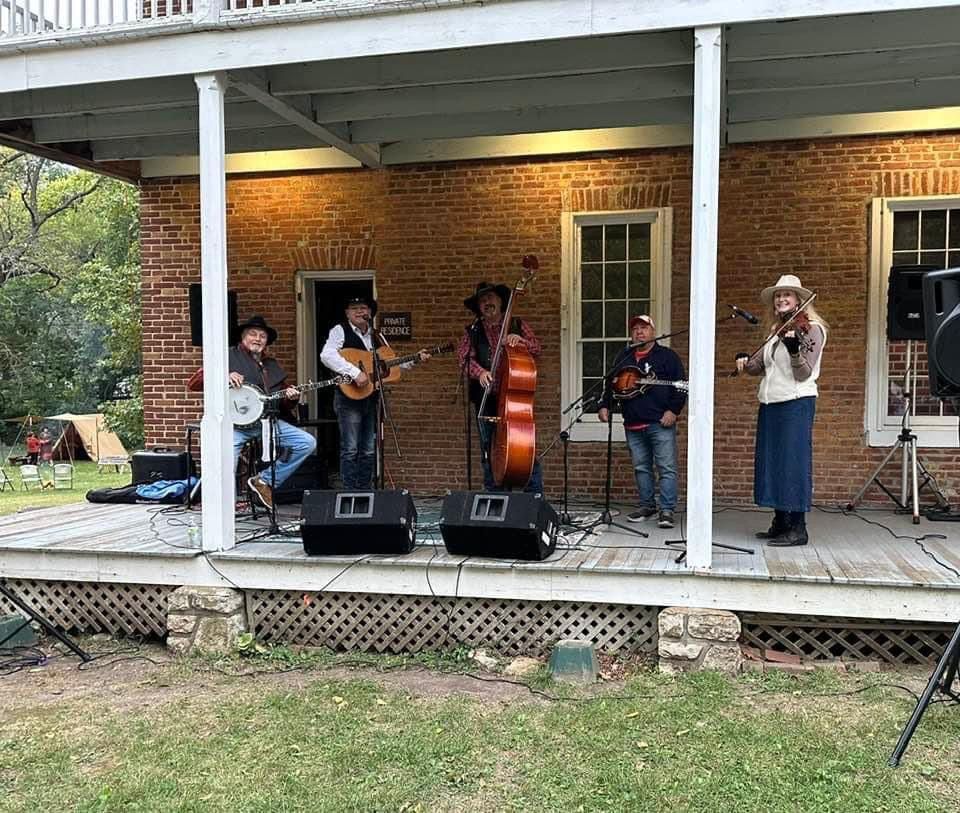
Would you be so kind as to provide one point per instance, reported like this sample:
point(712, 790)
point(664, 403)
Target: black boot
point(795, 535)
point(777, 527)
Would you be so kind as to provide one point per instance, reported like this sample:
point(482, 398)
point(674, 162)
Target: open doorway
point(322, 299)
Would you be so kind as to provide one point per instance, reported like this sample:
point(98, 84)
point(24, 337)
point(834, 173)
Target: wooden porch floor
point(853, 567)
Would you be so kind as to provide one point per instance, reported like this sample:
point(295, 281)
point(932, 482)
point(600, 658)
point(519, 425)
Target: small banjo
point(247, 403)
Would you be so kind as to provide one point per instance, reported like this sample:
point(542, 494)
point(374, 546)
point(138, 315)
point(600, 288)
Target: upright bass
point(514, 446)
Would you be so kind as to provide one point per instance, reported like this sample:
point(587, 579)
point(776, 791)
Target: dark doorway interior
point(330, 297)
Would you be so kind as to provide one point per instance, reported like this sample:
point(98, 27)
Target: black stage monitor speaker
point(905, 301)
point(196, 316)
point(358, 522)
point(158, 464)
point(941, 299)
point(513, 525)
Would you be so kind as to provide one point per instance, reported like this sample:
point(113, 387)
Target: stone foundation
point(205, 620)
point(692, 639)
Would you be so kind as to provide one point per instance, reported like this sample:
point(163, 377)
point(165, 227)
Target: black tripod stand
point(942, 680)
point(32, 614)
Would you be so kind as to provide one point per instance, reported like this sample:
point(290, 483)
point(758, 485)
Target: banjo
point(247, 403)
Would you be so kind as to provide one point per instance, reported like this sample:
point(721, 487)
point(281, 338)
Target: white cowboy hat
point(788, 282)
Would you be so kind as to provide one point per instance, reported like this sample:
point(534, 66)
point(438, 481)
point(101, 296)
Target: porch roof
point(800, 78)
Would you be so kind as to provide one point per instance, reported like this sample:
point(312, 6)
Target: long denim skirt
point(783, 463)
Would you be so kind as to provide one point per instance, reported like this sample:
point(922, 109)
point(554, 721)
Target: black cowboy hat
point(259, 322)
point(370, 302)
point(484, 288)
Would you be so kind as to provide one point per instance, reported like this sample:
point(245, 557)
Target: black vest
point(484, 356)
point(351, 339)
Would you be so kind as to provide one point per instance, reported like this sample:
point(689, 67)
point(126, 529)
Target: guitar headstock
point(530, 265)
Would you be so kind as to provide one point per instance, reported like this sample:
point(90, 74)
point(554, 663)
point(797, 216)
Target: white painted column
point(707, 96)
point(216, 430)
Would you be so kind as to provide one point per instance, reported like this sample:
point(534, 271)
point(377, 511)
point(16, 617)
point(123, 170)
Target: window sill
point(940, 437)
point(592, 431)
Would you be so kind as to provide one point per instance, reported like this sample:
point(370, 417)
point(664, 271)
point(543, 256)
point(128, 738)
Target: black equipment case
point(158, 464)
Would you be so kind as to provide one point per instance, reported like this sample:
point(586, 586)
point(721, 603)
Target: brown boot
point(261, 491)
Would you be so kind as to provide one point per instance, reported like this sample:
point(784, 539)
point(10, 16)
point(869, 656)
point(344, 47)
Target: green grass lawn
point(85, 477)
point(191, 739)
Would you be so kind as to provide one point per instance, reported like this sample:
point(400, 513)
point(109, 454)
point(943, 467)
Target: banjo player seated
point(249, 364)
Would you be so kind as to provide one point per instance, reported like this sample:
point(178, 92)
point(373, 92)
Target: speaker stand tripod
point(32, 614)
point(941, 681)
point(911, 466)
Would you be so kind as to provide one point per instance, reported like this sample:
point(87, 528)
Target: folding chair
point(5, 481)
point(63, 475)
point(30, 476)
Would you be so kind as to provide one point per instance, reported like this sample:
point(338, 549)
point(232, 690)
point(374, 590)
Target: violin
point(799, 322)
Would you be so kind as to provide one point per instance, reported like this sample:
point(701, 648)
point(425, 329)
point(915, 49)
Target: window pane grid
point(920, 237)
point(614, 272)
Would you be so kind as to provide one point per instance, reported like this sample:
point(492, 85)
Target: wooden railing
point(50, 19)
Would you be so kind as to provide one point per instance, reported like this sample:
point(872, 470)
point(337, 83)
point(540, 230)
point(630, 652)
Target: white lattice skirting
point(381, 623)
point(119, 609)
point(370, 622)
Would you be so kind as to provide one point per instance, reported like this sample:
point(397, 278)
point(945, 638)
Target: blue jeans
point(534, 484)
point(655, 445)
point(358, 440)
point(299, 444)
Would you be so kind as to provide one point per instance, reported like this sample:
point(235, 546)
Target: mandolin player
point(249, 364)
point(649, 416)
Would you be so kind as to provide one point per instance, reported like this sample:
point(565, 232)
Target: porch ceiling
point(788, 79)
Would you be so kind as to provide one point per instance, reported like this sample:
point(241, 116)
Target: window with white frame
point(906, 231)
point(616, 265)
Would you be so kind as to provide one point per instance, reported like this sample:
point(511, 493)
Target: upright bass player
point(476, 352)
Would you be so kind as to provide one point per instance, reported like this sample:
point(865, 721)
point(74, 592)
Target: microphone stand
point(383, 415)
point(272, 416)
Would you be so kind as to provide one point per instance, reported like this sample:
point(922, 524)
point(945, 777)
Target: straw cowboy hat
point(259, 322)
point(472, 302)
point(788, 282)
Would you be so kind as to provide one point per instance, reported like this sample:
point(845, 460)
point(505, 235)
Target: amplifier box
point(158, 464)
point(358, 522)
point(511, 525)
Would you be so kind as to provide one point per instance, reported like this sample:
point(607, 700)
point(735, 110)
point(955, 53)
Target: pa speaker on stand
point(358, 522)
point(512, 525)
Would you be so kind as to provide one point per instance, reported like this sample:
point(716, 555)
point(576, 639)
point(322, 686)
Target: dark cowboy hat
point(484, 288)
point(258, 321)
point(370, 302)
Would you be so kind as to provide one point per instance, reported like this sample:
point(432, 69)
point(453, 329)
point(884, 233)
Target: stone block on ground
point(692, 639)
point(205, 620)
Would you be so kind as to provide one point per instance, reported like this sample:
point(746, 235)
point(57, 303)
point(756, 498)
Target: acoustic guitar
point(389, 366)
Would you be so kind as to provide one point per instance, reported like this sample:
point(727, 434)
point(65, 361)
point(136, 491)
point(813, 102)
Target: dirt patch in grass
point(147, 678)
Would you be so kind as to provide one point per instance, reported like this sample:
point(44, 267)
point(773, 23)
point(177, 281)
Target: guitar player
point(248, 363)
point(650, 419)
point(357, 418)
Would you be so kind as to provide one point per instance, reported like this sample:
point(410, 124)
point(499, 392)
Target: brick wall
point(432, 231)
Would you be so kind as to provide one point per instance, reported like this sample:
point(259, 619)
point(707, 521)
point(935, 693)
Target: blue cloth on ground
point(165, 489)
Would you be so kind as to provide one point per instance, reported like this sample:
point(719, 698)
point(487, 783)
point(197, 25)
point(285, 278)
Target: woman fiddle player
point(789, 361)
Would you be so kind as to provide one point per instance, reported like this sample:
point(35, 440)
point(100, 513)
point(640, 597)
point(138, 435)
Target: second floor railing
point(45, 19)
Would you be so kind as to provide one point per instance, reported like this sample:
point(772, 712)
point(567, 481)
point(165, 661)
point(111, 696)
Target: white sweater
point(786, 377)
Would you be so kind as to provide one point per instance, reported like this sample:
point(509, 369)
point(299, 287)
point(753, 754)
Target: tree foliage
point(70, 323)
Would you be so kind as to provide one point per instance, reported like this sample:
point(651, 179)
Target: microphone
point(753, 320)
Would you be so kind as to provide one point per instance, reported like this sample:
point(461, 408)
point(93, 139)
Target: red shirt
point(33, 445)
